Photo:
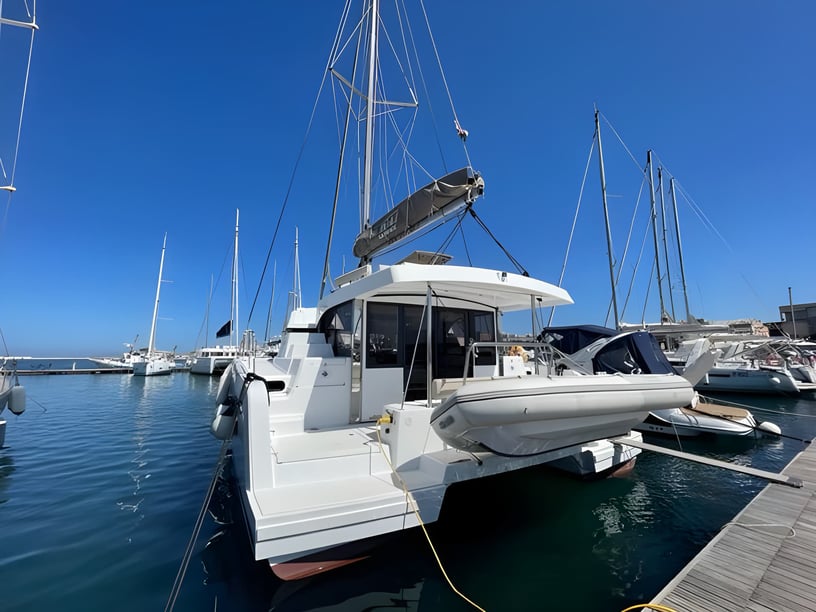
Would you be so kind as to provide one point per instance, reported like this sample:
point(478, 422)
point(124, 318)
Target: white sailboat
point(12, 393)
point(395, 385)
point(213, 360)
point(155, 362)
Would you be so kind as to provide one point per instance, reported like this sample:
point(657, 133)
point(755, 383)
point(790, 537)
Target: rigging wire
point(574, 221)
point(463, 134)
point(34, 27)
point(623, 144)
point(512, 259)
point(299, 158)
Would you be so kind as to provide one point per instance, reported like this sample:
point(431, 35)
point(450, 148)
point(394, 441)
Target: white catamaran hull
point(314, 500)
point(546, 413)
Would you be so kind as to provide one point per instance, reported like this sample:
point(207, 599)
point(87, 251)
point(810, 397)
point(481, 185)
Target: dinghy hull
point(544, 413)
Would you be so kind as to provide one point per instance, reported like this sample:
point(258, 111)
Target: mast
point(150, 344)
point(374, 11)
point(665, 241)
point(207, 313)
point(654, 231)
point(295, 295)
point(271, 300)
point(606, 221)
point(234, 296)
point(679, 249)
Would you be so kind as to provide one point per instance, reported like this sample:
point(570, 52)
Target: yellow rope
point(409, 497)
point(650, 606)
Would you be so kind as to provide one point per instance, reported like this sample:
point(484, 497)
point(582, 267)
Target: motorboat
point(739, 368)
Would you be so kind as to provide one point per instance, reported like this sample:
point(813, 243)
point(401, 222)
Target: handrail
point(474, 346)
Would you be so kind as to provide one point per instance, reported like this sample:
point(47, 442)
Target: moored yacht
point(155, 363)
point(395, 385)
point(213, 360)
point(337, 439)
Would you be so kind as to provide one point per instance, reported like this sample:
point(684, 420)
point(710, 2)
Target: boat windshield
point(636, 353)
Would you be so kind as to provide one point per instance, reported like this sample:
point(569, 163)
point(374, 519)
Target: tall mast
point(679, 248)
point(665, 241)
point(296, 295)
point(654, 231)
point(234, 297)
point(374, 11)
point(150, 344)
point(606, 221)
point(271, 300)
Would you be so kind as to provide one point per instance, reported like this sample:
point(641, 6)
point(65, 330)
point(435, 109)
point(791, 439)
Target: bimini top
point(408, 283)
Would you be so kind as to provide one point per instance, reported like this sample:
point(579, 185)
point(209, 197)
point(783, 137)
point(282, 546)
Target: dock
point(764, 560)
point(75, 371)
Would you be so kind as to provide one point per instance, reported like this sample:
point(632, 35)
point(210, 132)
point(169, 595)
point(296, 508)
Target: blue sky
point(146, 118)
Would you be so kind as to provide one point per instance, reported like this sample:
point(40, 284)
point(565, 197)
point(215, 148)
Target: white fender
point(229, 391)
point(17, 399)
point(224, 422)
point(224, 385)
point(769, 428)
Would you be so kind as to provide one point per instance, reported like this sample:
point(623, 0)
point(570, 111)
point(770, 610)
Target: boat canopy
point(435, 200)
point(611, 351)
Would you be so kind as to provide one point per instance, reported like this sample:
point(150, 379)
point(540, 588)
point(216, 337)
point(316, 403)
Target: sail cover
point(435, 200)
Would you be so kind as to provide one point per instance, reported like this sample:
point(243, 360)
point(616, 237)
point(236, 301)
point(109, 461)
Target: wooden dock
point(762, 561)
point(58, 372)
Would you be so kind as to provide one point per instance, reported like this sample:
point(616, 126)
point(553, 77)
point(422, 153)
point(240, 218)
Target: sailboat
point(396, 384)
point(155, 363)
point(12, 393)
point(213, 360)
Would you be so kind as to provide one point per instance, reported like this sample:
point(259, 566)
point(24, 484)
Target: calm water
point(103, 476)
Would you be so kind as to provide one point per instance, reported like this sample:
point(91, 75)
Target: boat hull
point(153, 367)
point(680, 422)
point(545, 413)
point(746, 380)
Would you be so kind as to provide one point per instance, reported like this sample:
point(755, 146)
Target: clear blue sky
point(146, 118)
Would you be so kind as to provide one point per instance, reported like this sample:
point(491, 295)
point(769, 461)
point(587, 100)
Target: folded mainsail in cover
point(435, 200)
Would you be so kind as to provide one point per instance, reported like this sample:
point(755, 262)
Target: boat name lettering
point(387, 226)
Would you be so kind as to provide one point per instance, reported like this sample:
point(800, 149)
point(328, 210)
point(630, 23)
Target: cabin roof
point(505, 291)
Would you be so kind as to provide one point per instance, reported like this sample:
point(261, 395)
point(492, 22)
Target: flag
point(225, 330)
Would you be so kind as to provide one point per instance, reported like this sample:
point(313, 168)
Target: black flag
point(225, 330)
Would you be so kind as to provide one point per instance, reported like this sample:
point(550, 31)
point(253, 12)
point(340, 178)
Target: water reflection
point(6, 470)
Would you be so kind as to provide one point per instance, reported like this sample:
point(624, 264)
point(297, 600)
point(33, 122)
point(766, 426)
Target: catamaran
point(213, 360)
point(397, 383)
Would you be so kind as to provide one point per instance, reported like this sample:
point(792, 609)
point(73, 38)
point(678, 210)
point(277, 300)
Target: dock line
point(790, 481)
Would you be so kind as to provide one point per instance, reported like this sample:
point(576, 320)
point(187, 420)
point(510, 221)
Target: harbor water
point(103, 477)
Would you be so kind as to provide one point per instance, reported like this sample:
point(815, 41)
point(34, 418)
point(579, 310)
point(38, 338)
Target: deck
point(764, 560)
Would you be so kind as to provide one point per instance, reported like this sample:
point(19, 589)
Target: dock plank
point(763, 560)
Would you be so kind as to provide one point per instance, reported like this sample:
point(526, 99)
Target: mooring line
point(185, 562)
